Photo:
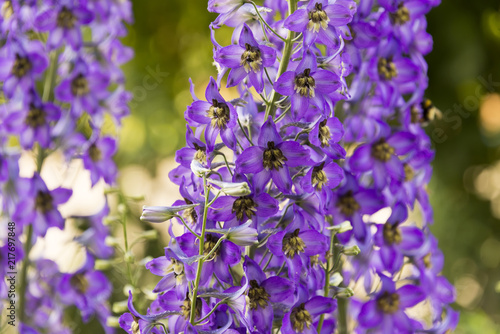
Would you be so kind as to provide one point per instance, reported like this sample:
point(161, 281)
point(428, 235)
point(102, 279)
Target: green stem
point(243, 130)
point(329, 264)
point(271, 108)
point(24, 272)
point(211, 311)
point(124, 225)
point(186, 226)
point(200, 252)
point(267, 24)
point(50, 78)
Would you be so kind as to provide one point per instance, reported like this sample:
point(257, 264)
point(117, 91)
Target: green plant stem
point(200, 252)
point(329, 264)
point(262, 21)
point(287, 51)
point(186, 225)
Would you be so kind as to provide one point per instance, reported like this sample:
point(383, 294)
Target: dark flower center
point(43, 202)
point(300, 318)
point(305, 84)
point(318, 176)
point(387, 69)
point(273, 157)
point(392, 234)
point(80, 86)
point(388, 302)
point(293, 244)
point(318, 18)
point(324, 134)
point(201, 153)
point(409, 173)
point(66, 19)
point(251, 58)
point(382, 151)
point(210, 242)
point(401, 16)
point(257, 295)
point(21, 67)
point(186, 308)
point(35, 117)
point(190, 214)
point(244, 206)
point(95, 153)
point(80, 283)
point(347, 204)
point(219, 113)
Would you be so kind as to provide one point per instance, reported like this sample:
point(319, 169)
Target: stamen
point(324, 134)
point(95, 153)
point(257, 295)
point(251, 59)
point(244, 206)
point(388, 303)
point(348, 204)
point(273, 158)
point(317, 19)
point(293, 244)
point(318, 176)
point(300, 318)
point(219, 113)
point(21, 67)
point(401, 16)
point(80, 86)
point(66, 19)
point(387, 69)
point(382, 151)
point(305, 84)
point(392, 234)
point(35, 117)
point(43, 202)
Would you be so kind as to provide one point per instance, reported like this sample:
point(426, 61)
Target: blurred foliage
point(172, 38)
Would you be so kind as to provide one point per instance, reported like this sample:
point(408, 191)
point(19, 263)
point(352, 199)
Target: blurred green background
point(171, 38)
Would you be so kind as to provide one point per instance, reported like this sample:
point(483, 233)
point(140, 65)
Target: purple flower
point(326, 134)
point(85, 289)
point(85, 88)
point(382, 158)
point(307, 85)
point(395, 241)
point(63, 20)
point(271, 159)
point(21, 63)
point(98, 159)
point(247, 59)
point(386, 311)
point(217, 115)
point(301, 318)
point(318, 21)
point(262, 292)
point(38, 205)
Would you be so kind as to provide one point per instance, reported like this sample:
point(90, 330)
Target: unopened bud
point(159, 214)
point(120, 307)
point(122, 208)
point(198, 169)
point(242, 235)
point(129, 257)
point(108, 220)
point(113, 322)
point(351, 251)
point(111, 241)
point(336, 279)
point(343, 227)
point(149, 235)
point(233, 189)
point(103, 264)
point(345, 293)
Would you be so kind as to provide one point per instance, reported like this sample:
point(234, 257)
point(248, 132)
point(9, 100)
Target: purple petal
point(297, 21)
point(250, 161)
point(236, 75)
point(230, 56)
point(410, 295)
point(369, 315)
point(158, 265)
point(285, 83)
point(412, 238)
point(402, 142)
point(278, 288)
point(253, 270)
point(361, 160)
point(294, 152)
point(221, 209)
point(338, 15)
point(230, 253)
point(197, 111)
point(326, 81)
point(319, 305)
point(268, 133)
point(282, 180)
point(166, 283)
point(316, 243)
point(266, 205)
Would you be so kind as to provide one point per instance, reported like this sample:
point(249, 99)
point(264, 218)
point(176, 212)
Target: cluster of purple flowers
point(277, 213)
point(61, 81)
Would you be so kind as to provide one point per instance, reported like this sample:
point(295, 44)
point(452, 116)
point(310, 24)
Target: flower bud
point(112, 322)
point(111, 241)
point(242, 235)
point(149, 235)
point(345, 293)
point(102, 264)
point(198, 169)
point(350, 251)
point(129, 257)
point(343, 227)
point(336, 279)
point(233, 189)
point(120, 307)
point(159, 214)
